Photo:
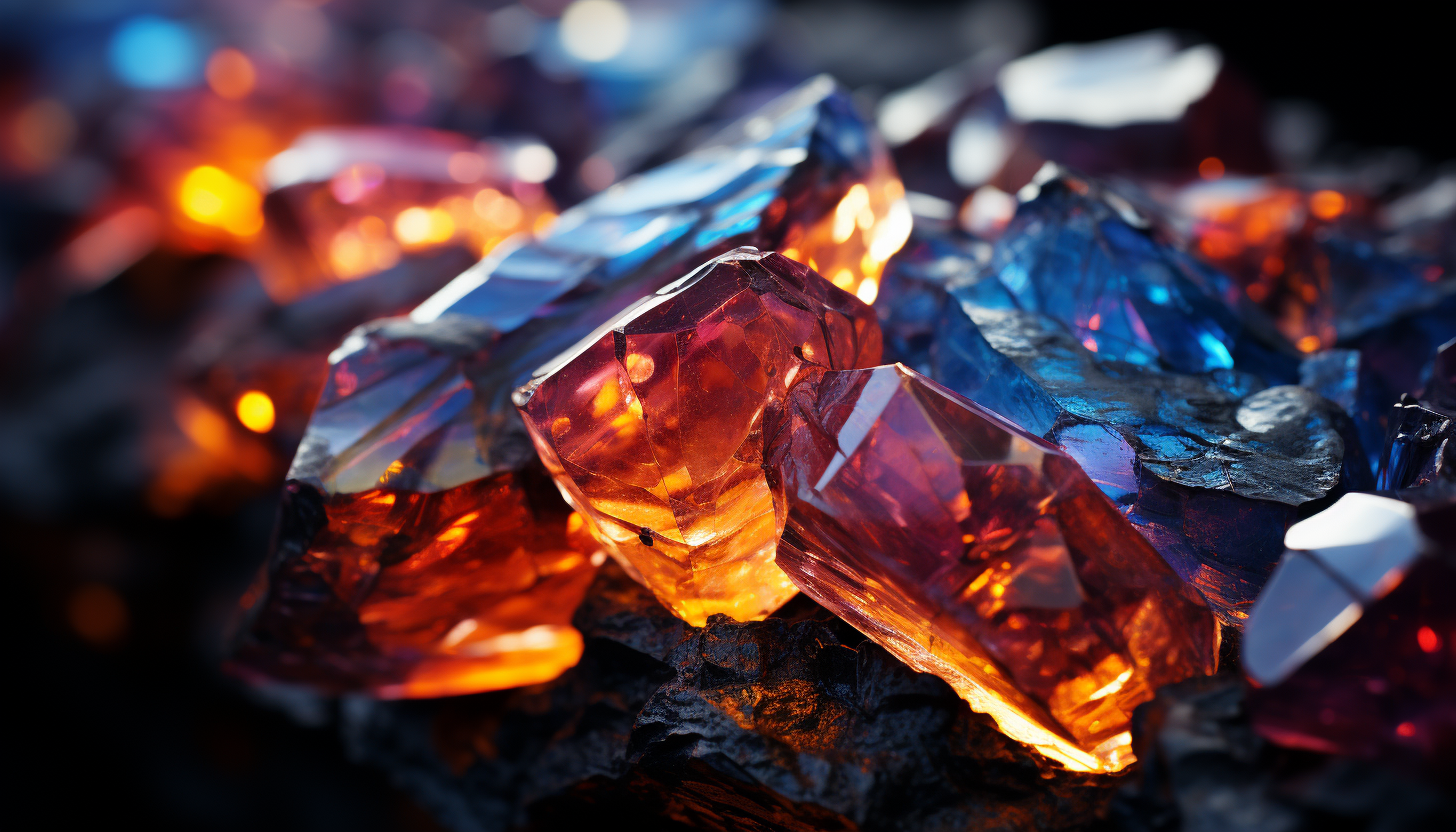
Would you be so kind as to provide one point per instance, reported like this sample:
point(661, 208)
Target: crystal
point(1421, 447)
point(421, 405)
point(1349, 555)
point(1211, 468)
point(343, 203)
point(653, 425)
point(974, 550)
point(418, 594)
point(1351, 644)
point(1085, 256)
point(1302, 254)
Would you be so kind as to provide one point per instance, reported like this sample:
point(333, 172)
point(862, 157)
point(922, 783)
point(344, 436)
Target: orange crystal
point(652, 426)
point(410, 594)
point(976, 551)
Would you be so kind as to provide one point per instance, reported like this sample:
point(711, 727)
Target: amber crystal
point(976, 551)
point(420, 594)
point(652, 426)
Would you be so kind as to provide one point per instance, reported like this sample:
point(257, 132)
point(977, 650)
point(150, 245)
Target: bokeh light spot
point(152, 52)
point(595, 30)
point(255, 411)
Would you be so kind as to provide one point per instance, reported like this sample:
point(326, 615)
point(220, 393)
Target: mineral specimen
point(418, 594)
point(1083, 255)
point(1352, 640)
point(653, 426)
point(1211, 470)
point(422, 405)
point(972, 549)
point(1422, 441)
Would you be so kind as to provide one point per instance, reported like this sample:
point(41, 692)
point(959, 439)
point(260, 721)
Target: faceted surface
point(423, 405)
point(1210, 468)
point(1421, 446)
point(653, 427)
point(974, 550)
point(411, 594)
point(1348, 555)
point(344, 203)
point(1084, 256)
point(1385, 687)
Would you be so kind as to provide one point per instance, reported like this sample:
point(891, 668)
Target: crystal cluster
point(653, 427)
point(420, 407)
point(1115, 414)
point(974, 550)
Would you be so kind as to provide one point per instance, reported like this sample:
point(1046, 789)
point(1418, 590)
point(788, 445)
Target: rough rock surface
point(795, 722)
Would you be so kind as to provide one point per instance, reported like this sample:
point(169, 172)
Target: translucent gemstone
point(418, 594)
point(653, 426)
point(1084, 256)
point(1351, 645)
point(975, 550)
point(344, 203)
point(422, 405)
point(1211, 468)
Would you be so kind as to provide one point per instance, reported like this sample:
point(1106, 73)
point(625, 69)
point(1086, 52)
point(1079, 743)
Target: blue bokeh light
point(152, 52)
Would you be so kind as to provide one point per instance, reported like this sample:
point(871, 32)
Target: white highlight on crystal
point(1140, 78)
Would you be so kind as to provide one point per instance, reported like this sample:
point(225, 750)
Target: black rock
point(1204, 768)
point(795, 722)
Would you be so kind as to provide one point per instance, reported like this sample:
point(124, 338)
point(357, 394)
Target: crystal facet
point(418, 594)
point(423, 405)
point(1352, 641)
point(1086, 257)
point(974, 550)
point(1212, 470)
point(653, 427)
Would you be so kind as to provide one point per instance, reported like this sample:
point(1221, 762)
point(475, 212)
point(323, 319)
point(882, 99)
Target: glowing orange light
point(214, 197)
point(1327, 204)
point(1308, 343)
point(1211, 168)
point(1090, 343)
point(255, 411)
point(423, 226)
point(1428, 640)
point(230, 74)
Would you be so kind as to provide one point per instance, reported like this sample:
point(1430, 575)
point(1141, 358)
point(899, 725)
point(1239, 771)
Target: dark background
point(143, 730)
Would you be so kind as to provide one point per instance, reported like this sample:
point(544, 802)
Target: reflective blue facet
point(1081, 255)
point(1211, 467)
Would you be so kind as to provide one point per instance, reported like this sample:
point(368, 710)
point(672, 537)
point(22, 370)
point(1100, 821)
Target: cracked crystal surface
point(653, 426)
point(976, 551)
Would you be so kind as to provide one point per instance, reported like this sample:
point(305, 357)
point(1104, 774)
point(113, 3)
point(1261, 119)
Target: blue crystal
point(1084, 256)
point(1211, 467)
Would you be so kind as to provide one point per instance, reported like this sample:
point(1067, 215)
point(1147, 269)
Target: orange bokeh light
point(230, 74)
point(255, 411)
point(1211, 168)
point(1327, 204)
point(212, 196)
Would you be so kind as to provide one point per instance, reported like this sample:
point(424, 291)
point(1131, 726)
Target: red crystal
point(409, 594)
point(976, 551)
point(652, 426)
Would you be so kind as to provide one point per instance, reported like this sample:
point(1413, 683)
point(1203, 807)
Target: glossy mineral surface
point(653, 427)
point(412, 594)
point(974, 550)
point(419, 406)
